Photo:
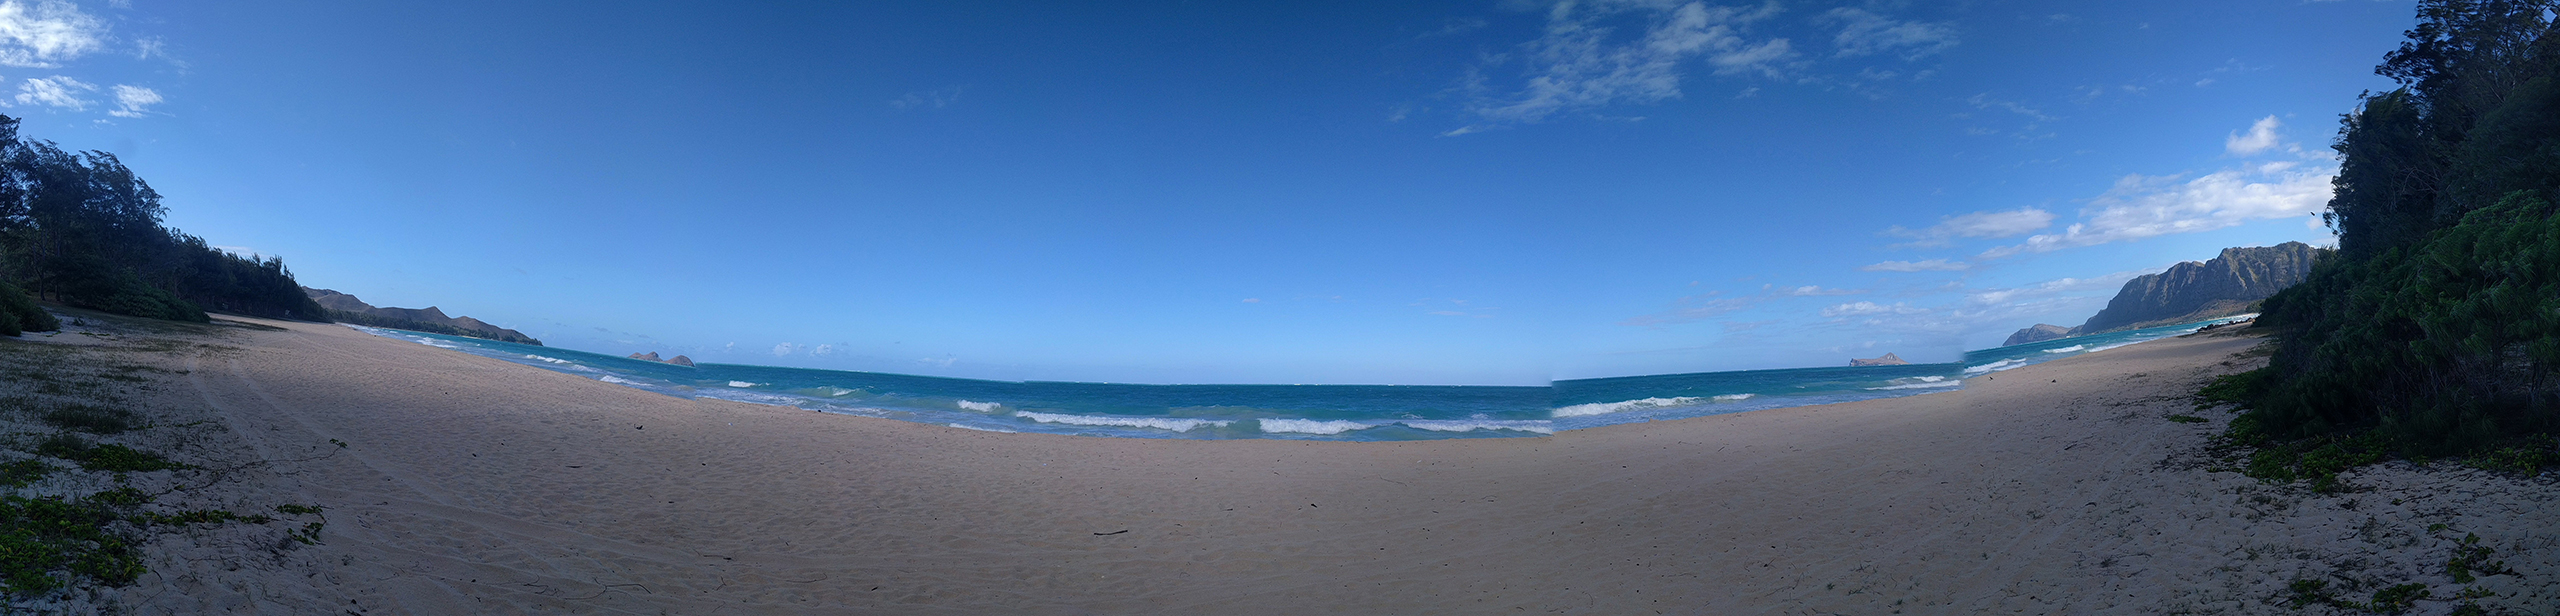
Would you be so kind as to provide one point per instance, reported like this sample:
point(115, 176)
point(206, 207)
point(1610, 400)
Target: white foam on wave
point(970, 427)
point(840, 392)
point(1470, 425)
point(741, 384)
point(2118, 345)
point(617, 380)
point(1604, 408)
point(2076, 347)
point(1312, 426)
point(547, 359)
point(1920, 385)
point(982, 407)
point(1996, 366)
point(1735, 397)
point(1160, 423)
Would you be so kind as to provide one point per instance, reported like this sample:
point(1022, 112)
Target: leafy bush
point(2448, 346)
point(104, 457)
point(19, 313)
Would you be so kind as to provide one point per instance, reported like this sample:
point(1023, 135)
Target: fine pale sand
point(474, 485)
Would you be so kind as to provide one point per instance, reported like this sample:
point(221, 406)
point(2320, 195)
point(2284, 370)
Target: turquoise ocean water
point(1319, 412)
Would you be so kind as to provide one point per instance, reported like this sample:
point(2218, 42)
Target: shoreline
point(473, 484)
point(1362, 413)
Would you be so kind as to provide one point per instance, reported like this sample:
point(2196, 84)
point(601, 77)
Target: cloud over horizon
point(2140, 206)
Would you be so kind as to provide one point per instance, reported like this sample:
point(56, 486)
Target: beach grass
point(86, 474)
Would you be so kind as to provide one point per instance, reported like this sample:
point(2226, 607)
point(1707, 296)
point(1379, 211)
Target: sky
point(1492, 193)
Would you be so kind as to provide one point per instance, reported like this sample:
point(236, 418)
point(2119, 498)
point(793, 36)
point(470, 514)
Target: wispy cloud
point(43, 34)
point(134, 102)
point(1812, 291)
point(1863, 33)
point(1932, 265)
point(1985, 101)
point(55, 91)
point(1861, 309)
point(2008, 223)
point(927, 99)
point(1580, 62)
point(2261, 137)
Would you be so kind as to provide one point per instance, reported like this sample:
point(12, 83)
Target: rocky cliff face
point(347, 308)
point(2227, 285)
point(2040, 333)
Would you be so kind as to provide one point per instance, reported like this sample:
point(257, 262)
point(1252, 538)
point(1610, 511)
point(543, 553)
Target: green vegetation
point(90, 418)
point(2435, 330)
point(104, 457)
point(74, 512)
point(19, 313)
point(82, 229)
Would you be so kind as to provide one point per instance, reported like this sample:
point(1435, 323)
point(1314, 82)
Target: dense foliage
point(82, 229)
point(2435, 330)
point(19, 313)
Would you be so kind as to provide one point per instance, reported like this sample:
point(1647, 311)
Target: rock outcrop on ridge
point(346, 308)
point(1888, 359)
point(2227, 285)
point(2040, 333)
point(678, 360)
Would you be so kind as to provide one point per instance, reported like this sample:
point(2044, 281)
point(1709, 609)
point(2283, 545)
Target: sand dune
point(474, 485)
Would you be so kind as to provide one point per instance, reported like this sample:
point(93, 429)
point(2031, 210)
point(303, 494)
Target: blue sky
point(1422, 193)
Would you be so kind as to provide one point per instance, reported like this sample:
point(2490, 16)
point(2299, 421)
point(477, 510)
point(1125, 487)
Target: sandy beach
point(470, 485)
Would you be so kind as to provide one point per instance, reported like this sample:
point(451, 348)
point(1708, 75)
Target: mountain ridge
point(348, 309)
point(2228, 284)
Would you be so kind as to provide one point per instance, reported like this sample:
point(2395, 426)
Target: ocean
point(1307, 412)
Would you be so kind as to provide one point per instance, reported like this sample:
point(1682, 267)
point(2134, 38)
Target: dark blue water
point(1325, 412)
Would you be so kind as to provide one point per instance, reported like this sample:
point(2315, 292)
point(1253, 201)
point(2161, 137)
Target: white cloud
point(2150, 206)
point(42, 34)
point(1863, 33)
point(134, 102)
point(147, 47)
point(55, 91)
point(823, 350)
point(1985, 101)
point(1861, 309)
point(784, 349)
point(1932, 265)
point(927, 99)
point(2262, 136)
point(1814, 291)
point(2008, 223)
point(1578, 63)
